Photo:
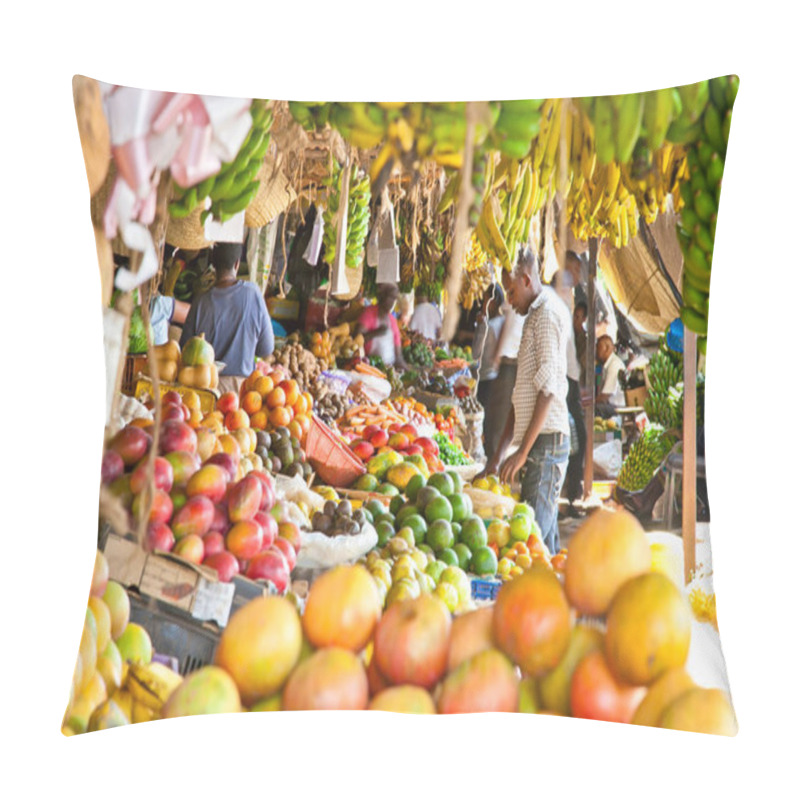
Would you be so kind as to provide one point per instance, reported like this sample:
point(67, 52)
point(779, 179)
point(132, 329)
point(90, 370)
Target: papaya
point(197, 352)
point(380, 464)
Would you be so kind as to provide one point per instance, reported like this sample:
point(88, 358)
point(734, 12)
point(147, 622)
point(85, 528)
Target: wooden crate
point(134, 366)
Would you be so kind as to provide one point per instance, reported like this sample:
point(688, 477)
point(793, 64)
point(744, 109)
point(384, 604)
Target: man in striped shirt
point(538, 423)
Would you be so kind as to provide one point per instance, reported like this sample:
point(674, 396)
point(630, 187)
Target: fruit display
point(644, 458)
point(282, 453)
point(357, 220)
point(197, 367)
point(701, 194)
point(450, 453)
point(269, 400)
point(168, 360)
point(417, 350)
point(234, 186)
point(664, 401)
point(339, 519)
point(331, 406)
point(399, 443)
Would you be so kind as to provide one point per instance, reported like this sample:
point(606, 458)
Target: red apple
point(269, 528)
point(370, 431)
point(409, 430)
point(172, 411)
point(363, 450)
point(112, 467)
point(379, 438)
point(285, 546)
point(428, 445)
point(395, 427)
point(159, 536)
point(224, 563)
point(191, 548)
point(213, 543)
point(176, 435)
point(162, 475)
point(228, 462)
point(131, 444)
point(413, 450)
point(172, 397)
point(270, 565)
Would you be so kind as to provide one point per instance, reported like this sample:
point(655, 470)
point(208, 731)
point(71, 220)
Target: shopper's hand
point(489, 469)
point(511, 466)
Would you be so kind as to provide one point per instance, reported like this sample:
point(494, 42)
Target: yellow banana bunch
point(148, 686)
point(666, 170)
point(478, 274)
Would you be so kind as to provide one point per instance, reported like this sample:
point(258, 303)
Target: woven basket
point(187, 233)
point(354, 277)
point(274, 196)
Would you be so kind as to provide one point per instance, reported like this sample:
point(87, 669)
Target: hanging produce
point(357, 216)
point(644, 458)
point(664, 373)
point(233, 188)
point(478, 274)
point(698, 220)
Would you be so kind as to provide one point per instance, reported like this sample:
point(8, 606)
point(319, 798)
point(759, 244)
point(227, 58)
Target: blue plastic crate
point(483, 589)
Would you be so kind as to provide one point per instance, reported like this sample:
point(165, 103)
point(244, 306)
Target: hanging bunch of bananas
point(310, 115)
point(517, 124)
point(603, 207)
point(651, 177)
point(508, 208)
point(698, 222)
point(233, 188)
point(357, 216)
point(645, 457)
point(477, 274)
point(664, 375)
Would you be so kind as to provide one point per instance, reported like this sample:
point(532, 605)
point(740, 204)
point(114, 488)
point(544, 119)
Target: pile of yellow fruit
point(491, 483)
point(321, 347)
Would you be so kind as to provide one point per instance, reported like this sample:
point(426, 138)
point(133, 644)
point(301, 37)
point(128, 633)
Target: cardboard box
point(189, 587)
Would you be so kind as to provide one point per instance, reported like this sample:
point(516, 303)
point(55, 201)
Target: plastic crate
point(483, 589)
point(175, 634)
point(331, 459)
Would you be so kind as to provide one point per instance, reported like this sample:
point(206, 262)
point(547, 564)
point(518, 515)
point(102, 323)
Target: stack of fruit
point(297, 363)
point(701, 198)
point(168, 359)
point(644, 458)
point(339, 519)
point(450, 453)
point(321, 347)
point(282, 453)
point(417, 350)
point(233, 188)
point(356, 222)
point(269, 400)
point(209, 509)
point(605, 425)
point(381, 449)
point(197, 368)
point(526, 653)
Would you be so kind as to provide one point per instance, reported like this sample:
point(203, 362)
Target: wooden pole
point(689, 494)
point(588, 468)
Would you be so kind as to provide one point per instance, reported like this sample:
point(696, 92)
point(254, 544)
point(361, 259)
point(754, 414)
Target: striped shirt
point(542, 365)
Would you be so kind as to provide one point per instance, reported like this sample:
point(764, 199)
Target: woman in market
point(379, 328)
point(487, 336)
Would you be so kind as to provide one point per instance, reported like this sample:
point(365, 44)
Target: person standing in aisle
point(234, 318)
point(578, 321)
point(426, 319)
point(538, 423)
point(610, 396)
point(379, 328)
point(505, 365)
point(487, 335)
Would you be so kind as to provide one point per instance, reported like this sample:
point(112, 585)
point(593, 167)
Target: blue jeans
point(545, 470)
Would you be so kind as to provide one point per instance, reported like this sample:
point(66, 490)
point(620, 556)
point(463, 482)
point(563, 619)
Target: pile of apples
point(403, 439)
point(209, 510)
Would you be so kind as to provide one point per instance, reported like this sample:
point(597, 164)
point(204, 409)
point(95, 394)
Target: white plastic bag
point(320, 551)
point(608, 458)
point(295, 491)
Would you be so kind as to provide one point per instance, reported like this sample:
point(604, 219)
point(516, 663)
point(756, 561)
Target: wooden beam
point(689, 493)
point(588, 468)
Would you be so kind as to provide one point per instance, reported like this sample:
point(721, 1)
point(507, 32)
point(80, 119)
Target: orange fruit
point(300, 406)
point(309, 400)
point(195, 418)
point(279, 416)
point(259, 420)
point(250, 382)
point(291, 391)
point(251, 402)
point(276, 398)
point(305, 422)
point(237, 419)
point(264, 385)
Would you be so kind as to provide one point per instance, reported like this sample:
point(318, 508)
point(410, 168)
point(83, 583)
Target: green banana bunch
point(700, 196)
point(644, 458)
point(233, 188)
point(310, 115)
point(517, 124)
point(358, 214)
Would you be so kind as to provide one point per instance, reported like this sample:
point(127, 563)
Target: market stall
point(329, 460)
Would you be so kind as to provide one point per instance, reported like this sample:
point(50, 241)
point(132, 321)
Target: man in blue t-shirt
point(234, 318)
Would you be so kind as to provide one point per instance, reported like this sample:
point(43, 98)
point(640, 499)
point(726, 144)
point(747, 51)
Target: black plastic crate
point(174, 633)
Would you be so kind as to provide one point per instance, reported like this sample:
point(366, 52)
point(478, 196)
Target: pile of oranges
point(269, 399)
point(321, 347)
